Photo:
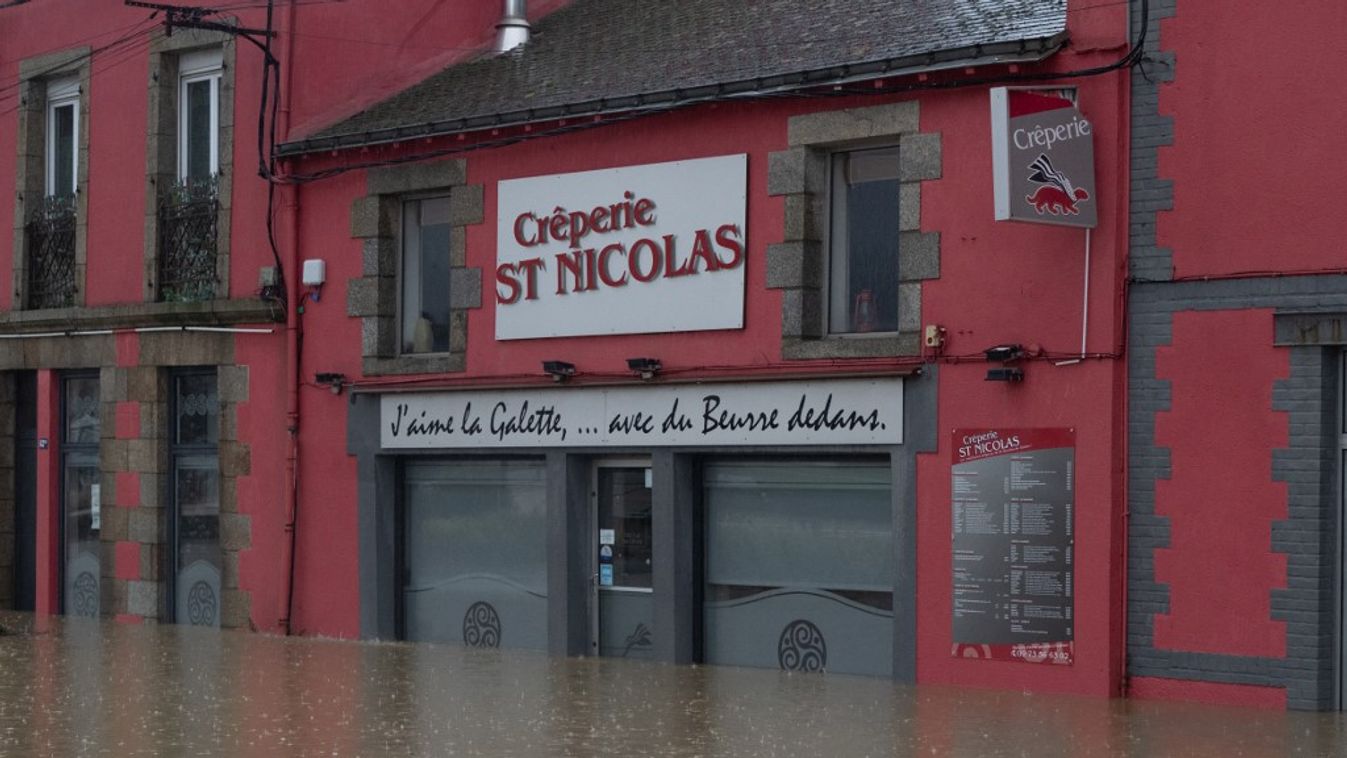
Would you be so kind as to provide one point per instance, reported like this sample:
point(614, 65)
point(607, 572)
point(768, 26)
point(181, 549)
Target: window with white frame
point(863, 231)
point(199, 75)
point(63, 126)
point(425, 275)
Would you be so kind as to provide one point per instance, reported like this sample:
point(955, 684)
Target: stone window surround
point(376, 218)
point(161, 143)
point(798, 265)
point(146, 386)
point(31, 169)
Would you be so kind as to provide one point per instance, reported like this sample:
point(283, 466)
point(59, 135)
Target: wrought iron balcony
point(50, 229)
point(188, 240)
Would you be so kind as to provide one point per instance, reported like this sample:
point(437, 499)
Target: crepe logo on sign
point(1056, 195)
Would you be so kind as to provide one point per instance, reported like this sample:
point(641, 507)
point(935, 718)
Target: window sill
point(133, 315)
point(880, 345)
point(425, 363)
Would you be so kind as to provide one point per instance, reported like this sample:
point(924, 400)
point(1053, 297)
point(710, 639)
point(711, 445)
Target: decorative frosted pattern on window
point(198, 410)
point(83, 426)
point(799, 567)
point(199, 560)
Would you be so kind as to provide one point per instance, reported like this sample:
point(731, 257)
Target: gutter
point(1024, 51)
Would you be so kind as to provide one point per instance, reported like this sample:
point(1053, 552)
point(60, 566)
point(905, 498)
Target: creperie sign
point(653, 248)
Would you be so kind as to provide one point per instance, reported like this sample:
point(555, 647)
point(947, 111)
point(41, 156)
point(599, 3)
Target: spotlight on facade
point(560, 371)
point(646, 367)
point(1005, 375)
point(1004, 353)
point(332, 381)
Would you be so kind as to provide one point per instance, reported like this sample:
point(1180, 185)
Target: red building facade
point(304, 431)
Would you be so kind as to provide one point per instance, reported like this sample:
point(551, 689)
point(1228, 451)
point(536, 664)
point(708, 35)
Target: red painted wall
point(1254, 127)
point(999, 283)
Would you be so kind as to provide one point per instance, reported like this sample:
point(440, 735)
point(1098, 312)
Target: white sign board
point(821, 412)
point(635, 250)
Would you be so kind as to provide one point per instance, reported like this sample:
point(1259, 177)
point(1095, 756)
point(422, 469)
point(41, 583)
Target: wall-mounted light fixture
point(332, 381)
point(560, 371)
point(646, 367)
point(1005, 354)
point(1005, 374)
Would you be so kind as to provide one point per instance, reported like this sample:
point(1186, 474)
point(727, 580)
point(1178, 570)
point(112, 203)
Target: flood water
point(77, 687)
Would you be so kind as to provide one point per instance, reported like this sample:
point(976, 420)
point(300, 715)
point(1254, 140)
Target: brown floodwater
point(76, 687)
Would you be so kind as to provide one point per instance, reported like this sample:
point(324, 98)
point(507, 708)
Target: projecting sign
point(1013, 533)
point(823, 412)
point(642, 249)
point(1042, 159)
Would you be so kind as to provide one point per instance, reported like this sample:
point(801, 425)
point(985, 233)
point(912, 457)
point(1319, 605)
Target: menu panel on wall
point(1013, 512)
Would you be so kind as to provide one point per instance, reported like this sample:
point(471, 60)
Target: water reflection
point(83, 687)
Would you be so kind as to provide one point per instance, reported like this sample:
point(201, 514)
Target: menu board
point(1013, 498)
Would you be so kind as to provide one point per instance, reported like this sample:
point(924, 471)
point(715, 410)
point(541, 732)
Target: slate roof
point(602, 56)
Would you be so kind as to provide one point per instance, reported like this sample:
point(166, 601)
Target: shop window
point(425, 275)
point(194, 480)
point(474, 552)
point(863, 242)
point(799, 570)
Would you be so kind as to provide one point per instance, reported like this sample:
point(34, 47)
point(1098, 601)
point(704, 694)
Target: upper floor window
point(425, 275)
point(191, 265)
point(863, 231)
point(63, 121)
point(199, 75)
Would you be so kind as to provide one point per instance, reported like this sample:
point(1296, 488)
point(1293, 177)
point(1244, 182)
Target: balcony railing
point(51, 252)
point(188, 240)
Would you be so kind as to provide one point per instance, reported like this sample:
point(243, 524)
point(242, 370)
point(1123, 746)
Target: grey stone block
point(795, 171)
point(801, 313)
point(465, 288)
point(378, 336)
point(909, 206)
point(416, 177)
point(840, 126)
point(918, 256)
point(909, 307)
point(919, 157)
point(466, 205)
point(145, 525)
point(795, 264)
point(371, 217)
point(379, 257)
point(233, 384)
point(142, 598)
point(371, 296)
point(804, 218)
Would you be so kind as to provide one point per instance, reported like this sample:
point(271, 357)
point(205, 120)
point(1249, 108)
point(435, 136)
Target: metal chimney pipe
point(513, 29)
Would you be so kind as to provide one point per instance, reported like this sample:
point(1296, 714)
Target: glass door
point(623, 603)
point(80, 493)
